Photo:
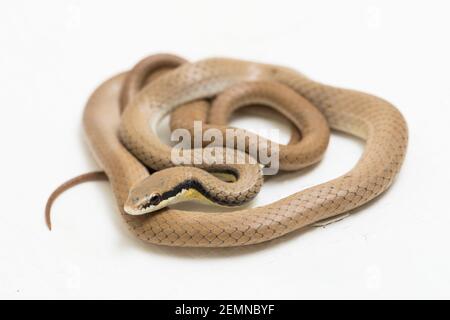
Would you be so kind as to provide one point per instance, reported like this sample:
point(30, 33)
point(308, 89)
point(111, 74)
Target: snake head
point(151, 194)
point(142, 204)
point(167, 187)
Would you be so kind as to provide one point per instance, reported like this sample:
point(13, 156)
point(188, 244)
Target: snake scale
point(121, 114)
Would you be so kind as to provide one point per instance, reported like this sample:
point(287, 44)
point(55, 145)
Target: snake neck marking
point(175, 185)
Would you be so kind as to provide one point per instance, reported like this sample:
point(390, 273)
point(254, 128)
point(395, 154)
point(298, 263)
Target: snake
point(124, 142)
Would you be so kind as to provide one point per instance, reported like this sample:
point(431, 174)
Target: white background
point(54, 53)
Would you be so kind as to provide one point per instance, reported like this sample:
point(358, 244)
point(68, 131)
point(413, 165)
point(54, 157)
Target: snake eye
point(155, 199)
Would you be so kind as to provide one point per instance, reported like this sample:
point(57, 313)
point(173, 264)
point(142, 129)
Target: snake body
point(122, 156)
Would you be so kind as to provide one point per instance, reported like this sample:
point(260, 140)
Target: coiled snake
point(125, 145)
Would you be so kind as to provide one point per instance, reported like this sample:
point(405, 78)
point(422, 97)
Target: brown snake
point(359, 114)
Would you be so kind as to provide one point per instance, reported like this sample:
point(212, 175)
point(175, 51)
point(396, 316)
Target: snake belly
point(368, 117)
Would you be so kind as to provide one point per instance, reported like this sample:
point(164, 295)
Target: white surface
point(54, 53)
